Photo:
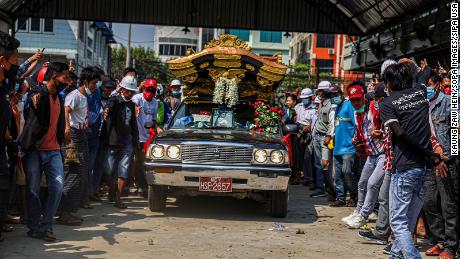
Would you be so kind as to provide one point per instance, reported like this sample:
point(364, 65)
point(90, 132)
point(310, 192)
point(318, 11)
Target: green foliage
point(145, 61)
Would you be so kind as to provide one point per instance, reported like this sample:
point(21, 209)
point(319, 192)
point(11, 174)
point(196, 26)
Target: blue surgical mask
point(176, 93)
point(376, 104)
point(88, 92)
point(306, 102)
point(99, 84)
point(361, 110)
point(336, 100)
point(430, 92)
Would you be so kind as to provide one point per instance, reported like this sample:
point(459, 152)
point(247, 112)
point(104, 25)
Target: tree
point(144, 60)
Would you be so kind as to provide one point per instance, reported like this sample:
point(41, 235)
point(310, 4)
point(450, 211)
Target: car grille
point(211, 154)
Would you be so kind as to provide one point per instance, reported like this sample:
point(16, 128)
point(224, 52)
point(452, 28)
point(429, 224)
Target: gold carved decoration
point(178, 66)
point(189, 52)
point(227, 40)
point(190, 78)
point(264, 82)
point(204, 65)
point(250, 67)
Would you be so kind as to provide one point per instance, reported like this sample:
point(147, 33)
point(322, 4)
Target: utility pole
point(128, 50)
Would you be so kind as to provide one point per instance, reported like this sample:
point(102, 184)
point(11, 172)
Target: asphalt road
point(200, 227)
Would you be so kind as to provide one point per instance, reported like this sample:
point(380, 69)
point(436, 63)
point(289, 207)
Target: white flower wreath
point(226, 91)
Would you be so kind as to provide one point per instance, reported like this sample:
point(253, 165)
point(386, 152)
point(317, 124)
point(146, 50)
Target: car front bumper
point(243, 177)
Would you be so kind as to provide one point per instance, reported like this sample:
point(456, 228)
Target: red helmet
point(150, 83)
point(41, 74)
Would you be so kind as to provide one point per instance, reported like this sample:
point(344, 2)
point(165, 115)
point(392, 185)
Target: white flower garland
point(226, 91)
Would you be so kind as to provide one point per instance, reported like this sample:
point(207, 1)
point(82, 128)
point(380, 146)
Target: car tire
point(279, 203)
point(157, 197)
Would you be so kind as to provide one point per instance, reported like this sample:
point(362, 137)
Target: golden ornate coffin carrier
point(230, 57)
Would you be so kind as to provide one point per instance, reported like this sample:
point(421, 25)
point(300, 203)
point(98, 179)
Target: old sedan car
point(195, 157)
point(221, 147)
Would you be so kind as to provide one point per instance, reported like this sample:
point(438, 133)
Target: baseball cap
point(324, 85)
point(307, 92)
point(129, 83)
point(150, 83)
point(334, 89)
point(355, 92)
point(108, 82)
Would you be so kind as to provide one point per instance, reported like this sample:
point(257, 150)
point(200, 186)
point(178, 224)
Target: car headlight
point(157, 151)
point(173, 152)
point(276, 157)
point(260, 156)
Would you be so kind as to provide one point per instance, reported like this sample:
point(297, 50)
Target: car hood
point(243, 137)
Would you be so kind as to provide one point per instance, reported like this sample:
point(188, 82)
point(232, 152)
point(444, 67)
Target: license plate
point(215, 184)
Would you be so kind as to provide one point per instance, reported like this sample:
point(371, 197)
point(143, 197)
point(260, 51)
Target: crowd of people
point(67, 139)
point(386, 145)
point(383, 149)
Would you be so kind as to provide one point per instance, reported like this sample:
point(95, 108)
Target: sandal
point(120, 205)
point(435, 250)
point(68, 220)
point(446, 255)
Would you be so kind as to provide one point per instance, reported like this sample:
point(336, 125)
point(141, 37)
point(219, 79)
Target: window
point(89, 54)
point(206, 36)
point(325, 65)
point(270, 36)
point(241, 34)
point(90, 42)
point(35, 24)
point(81, 31)
point(325, 40)
point(174, 50)
point(21, 24)
point(48, 25)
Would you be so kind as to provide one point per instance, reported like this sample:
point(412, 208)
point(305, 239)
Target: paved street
point(200, 227)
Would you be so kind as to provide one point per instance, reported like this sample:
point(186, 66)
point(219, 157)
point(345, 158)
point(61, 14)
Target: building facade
point(265, 43)
point(84, 43)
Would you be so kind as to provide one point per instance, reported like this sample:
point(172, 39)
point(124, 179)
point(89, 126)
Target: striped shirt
point(364, 127)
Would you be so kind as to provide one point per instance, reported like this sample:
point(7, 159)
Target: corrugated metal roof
point(353, 17)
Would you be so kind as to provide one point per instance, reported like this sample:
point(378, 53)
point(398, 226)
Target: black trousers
point(440, 206)
point(139, 158)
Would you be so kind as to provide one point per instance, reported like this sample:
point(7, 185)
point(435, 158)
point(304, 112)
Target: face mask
point(99, 84)
point(376, 105)
point(361, 110)
point(88, 92)
point(336, 100)
point(430, 92)
point(60, 87)
point(148, 95)
point(126, 99)
point(176, 93)
point(387, 92)
point(306, 102)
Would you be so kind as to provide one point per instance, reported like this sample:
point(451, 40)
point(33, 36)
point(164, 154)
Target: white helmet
point(307, 92)
point(324, 85)
point(176, 82)
point(129, 83)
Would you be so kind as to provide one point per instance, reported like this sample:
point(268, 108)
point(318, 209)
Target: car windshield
point(198, 114)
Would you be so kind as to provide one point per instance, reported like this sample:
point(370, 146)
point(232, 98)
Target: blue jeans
point(120, 160)
point(406, 202)
point(369, 184)
point(320, 152)
point(50, 163)
point(344, 178)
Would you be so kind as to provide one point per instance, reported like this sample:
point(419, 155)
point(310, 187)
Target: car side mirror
point(290, 128)
point(148, 125)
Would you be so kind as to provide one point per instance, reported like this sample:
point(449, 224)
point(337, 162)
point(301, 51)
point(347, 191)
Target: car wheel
point(279, 203)
point(157, 197)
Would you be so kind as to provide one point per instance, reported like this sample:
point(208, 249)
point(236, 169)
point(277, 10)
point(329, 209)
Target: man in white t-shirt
point(75, 193)
point(146, 111)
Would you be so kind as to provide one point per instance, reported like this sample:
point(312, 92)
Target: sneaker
point(356, 222)
point(387, 250)
point(318, 194)
point(369, 236)
point(338, 203)
point(373, 217)
point(347, 218)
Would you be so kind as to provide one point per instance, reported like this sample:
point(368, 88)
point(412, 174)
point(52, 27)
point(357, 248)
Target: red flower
point(272, 109)
point(259, 130)
point(257, 123)
point(256, 114)
point(280, 113)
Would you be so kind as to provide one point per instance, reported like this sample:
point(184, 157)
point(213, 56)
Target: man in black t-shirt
point(406, 113)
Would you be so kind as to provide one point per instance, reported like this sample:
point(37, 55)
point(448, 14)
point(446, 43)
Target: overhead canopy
point(352, 17)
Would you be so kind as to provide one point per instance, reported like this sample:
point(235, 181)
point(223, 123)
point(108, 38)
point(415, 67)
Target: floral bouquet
point(266, 118)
